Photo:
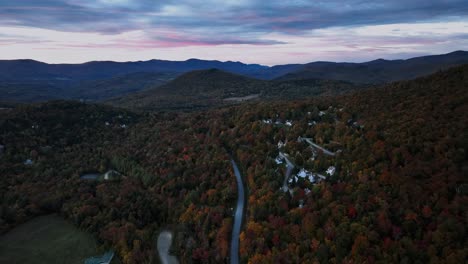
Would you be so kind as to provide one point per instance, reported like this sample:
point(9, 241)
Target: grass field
point(47, 239)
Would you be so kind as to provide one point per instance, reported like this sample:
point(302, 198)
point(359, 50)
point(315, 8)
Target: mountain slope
point(379, 71)
point(120, 85)
point(398, 194)
point(215, 87)
point(33, 91)
point(194, 89)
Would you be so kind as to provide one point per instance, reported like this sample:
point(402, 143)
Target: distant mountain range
point(95, 70)
point(378, 71)
point(29, 80)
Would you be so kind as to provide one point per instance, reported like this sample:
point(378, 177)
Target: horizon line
point(226, 61)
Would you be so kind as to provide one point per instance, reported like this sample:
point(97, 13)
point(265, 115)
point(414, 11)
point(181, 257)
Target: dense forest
point(214, 88)
point(397, 192)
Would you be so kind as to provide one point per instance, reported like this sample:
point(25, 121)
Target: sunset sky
point(266, 32)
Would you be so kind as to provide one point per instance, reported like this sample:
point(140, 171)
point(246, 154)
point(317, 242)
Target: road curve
point(164, 244)
point(238, 216)
point(324, 150)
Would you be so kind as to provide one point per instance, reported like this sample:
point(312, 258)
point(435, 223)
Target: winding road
point(164, 244)
point(238, 216)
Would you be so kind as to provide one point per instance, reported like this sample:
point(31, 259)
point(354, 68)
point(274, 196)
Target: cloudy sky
point(252, 31)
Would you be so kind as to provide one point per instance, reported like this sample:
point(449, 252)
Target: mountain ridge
point(38, 81)
point(68, 70)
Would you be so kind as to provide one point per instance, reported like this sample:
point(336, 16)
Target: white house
point(305, 174)
point(301, 203)
point(111, 173)
point(302, 173)
point(331, 170)
point(279, 160)
point(288, 123)
point(281, 144)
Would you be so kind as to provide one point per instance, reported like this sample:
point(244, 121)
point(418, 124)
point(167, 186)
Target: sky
point(268, 32)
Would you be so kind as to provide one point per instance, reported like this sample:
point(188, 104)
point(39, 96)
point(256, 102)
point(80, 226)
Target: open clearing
point(46, 239)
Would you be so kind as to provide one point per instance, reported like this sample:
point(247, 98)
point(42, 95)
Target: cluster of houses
point(311, 176)
point(303, 173)
point(354, 124)
point(122, 125)
point(278, 122)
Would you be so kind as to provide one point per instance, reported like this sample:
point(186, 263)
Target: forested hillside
point(386, 175)
point(214, 88)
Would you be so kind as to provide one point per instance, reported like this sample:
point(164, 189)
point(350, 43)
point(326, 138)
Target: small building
point(282, 144)
point(267, 121)
point(28, 162)
point(111, 175)
point(302, 173)
point(311, 178)
point(288, 123)
point(331, 170)
point(301, 203)
point(123, 126)
point(107, 124)
point(2, 149)
point(279, 160)
point(305, 174)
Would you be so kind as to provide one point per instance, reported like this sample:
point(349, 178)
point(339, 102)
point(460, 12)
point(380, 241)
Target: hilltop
point(213, 87)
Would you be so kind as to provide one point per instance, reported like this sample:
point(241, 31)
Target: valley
point(372, 173)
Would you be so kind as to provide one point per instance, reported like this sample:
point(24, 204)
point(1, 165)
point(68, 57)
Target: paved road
point(164, 244)
point(238, 215)
point(325, 151)
point(290, 167)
